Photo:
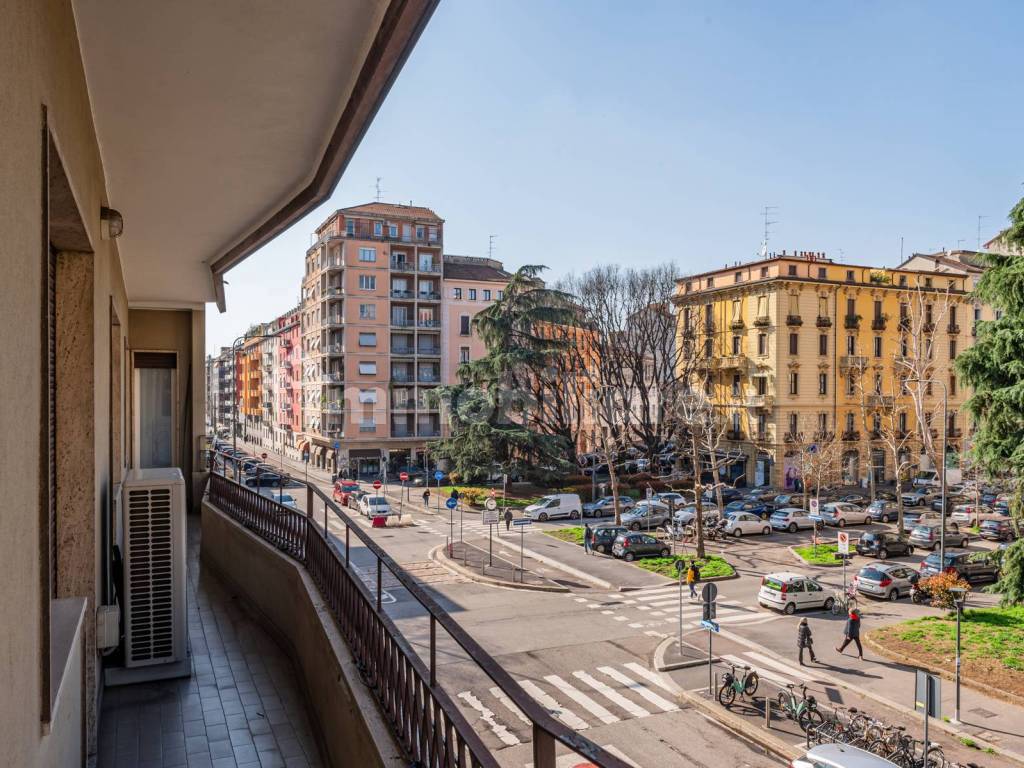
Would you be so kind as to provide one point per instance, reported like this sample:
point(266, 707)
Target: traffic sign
point(452, 503)
point(709, 612)
point(263, 456)
point(403, 476)
point(927, 694)
point(438, 475)
point(710, 625)
point(376, 485)
point(843, 539)
point(650, 492)
point(337, 445)
point(814, 506)
point(522, 521)
point(709, 592)
point(490, 517)
point(491, 504)
point(680, 566)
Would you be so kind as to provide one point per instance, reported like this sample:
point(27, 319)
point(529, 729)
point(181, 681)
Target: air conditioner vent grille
point(150, 575)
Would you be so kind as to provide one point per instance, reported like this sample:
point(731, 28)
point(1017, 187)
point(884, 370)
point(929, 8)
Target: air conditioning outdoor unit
point(155, 617)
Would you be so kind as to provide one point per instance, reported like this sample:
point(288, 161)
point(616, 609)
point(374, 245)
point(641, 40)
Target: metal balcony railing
point(428, 378)
point(853, 361)
point(851, 322)
point(823, 322)
point(430, 351)
point(794, 320)
point(402, 432)
point(401, 376)
point(332, 349)
point(428, 323)
point(428, 296)
point(428, 432)
point(402, 322)
point(400, 294)
point(396, 350)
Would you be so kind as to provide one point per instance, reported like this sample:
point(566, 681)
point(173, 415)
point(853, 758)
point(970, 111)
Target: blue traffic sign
point(439, 475)
point(452, 503)
point(712, 625)
point(337, 445)
point(522, 521)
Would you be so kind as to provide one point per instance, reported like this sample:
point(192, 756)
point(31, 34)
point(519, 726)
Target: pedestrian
point(588, 539)
point(508, 519)
point(804, 640)
point(691, 579)
point(851, 634)
point(426, 498)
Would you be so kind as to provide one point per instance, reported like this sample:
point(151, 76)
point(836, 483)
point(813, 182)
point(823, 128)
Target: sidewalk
point(476, 563)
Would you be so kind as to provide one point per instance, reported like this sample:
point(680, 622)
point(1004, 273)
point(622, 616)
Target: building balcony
point(855, 362)
point(737, 325)
point(332, 432)
point(428, 351)
point(880, 401)
point(334, 321)
point(823, 322)
point(403, 265)
point(332, 378)
point(332, 349)
point(762, 321)
point(401, 431)
point(875, 434)
point(823, 436)
point(851, 322)
point(760, 401)
point(850, 436)
point(365, 428)
point(402, 351)
point(402, 376)
point(369, 233)
point(334, 292)
point(431, 323)
point(404, 405)
point(794, 320)
point(878, 322)
point(428, 432)
point(791, 437)
point(431, 268)
point(730, 362)
point(428, 296)
point(332, 407)
point(928, 327)
point(428, 378)
point(904, 323)
point(401, 294)
point(952, 329)
point(285, 343)
point(735, 434)
point(402, 322)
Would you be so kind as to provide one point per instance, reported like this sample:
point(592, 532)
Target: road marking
point(487, 716)
point(580, 599)
point(643, 607)
point(765, 673)
point(566, 716)
point(607, 613)
point(778, 665)
point(644, 672)
point(658, 613)
point(499, 694)
point(581, 698)
point(639, 688)
point(636, 625)
point(612, 695)
point(652, 633)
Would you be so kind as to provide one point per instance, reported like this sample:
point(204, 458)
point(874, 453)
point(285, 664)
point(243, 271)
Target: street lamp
point(959, 598)
point(942, 462)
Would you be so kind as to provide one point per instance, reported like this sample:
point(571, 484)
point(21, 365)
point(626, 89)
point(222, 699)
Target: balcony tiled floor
point(241, 707)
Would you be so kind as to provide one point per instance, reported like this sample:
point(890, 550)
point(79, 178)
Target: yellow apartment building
point(797, 347)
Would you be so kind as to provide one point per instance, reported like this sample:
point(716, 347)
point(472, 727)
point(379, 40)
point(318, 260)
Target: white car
point(372, 505)
point(741, 523)
point(789, 592)
point(842, 514)
point(686, 515)
point(555, 505)
point(672, 498)
point(918, 498)
point(790, 519)
point(964, 513)
point(840, 756)
point(281, 498)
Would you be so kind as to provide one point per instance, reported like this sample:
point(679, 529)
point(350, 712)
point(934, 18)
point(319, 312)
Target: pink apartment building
point(471, 284)
point(288, 394)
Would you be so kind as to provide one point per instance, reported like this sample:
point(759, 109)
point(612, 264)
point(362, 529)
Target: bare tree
point(815, 455)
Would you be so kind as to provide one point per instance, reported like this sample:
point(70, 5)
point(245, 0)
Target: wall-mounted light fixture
point(111, 223)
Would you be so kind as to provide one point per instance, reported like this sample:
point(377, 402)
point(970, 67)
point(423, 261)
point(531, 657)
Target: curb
point(661, 666)
point(1006, 696)
point(568, 569)
point(438, 557)
point(804, 563)
point(935, 723)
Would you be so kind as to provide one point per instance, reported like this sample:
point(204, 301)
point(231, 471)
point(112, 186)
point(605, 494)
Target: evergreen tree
point(994, 368)
point(486, 409)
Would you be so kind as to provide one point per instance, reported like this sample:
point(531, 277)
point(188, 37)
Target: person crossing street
point(588, 539)
point(508, 519)
point(804, 640)
point(426, 498)
point(692, 578)
point(851, 634)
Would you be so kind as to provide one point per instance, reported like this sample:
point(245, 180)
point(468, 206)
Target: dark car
point(971, 566)
point(883, 510)
point(605, 535)
point(728, 494)
point(630, 546)
point(997, 530)
point(750, 507)
point(883, 544)
point(265, 480)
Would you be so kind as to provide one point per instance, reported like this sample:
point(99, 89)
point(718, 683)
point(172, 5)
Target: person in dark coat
point(508, 519)
point(804, 640)
point(426, 497)
point(851, 633)
point(588, 539)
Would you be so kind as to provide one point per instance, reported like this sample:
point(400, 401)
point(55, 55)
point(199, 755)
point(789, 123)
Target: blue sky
point(584, 132)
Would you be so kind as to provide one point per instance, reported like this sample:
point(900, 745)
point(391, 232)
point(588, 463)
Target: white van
point(555, 505)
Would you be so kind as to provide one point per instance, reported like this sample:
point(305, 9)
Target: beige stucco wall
point(349, 723)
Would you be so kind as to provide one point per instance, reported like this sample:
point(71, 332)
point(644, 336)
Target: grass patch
point(992, 644)
point(710, 567)
point(475, 495)
point(823, 554)
point(573, 535)
point(967, 741)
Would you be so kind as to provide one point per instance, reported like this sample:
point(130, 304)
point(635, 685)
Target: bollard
point(716, 684)
point(767, 713)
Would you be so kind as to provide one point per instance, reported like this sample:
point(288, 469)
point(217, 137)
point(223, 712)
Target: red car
point(343, 489)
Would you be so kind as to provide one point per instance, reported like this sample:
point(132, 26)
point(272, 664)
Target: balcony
point(429, 351)
point(285, 343)
point(904, 323)
point(333, 377)
point(928, 327)
point(794, 320)
point(823, 322)
point(760, 401)
point(428, 323)
point(880, 401)
point(823, 436)
point(851, 322)
point(332, 407)
point(737, 325)
point(402, 376)
point(428, 432)
point(402, 322)
point(369, 233)
point(364, 428)
point(735, 434)
point(855, 362)
point(875, 434)
point(332, 349)
point(404, 351)
point(334, 321)
point(333, 291)
point(791, 437)
point(402, 431)
point(398, 293)
point(431, 268)
point(333, 432)
point(428, 296)
point(403, 265)
point(850, 436)
point(952, 329)
point(762, 321)
point(404, 405)
point(428, 378)
point(878, 322)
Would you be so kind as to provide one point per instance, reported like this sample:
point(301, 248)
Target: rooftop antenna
point(767, 212)
point(380, 191)
point(490, 246)
point(901, 249)
point(980, 217)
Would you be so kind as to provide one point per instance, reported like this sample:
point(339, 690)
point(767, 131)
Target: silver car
point(890, 581)
point(646, 515)
point(606, 506)
point(791, 519)
point(840, 756)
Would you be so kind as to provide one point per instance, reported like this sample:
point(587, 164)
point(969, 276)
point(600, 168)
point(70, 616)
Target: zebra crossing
point(582, 699)
point(657, 611)
point(469, 528)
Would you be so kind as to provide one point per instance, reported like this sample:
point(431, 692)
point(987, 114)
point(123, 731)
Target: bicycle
point(804, 711)
point(731, 685)
point(902, 750)
point(843, 601)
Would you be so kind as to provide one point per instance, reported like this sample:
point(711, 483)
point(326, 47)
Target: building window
point(432, 233)
point(710, 283)
point(878, 383)
point(735, 422)
point(977, 314)
point(392, 230)
point(952, 349)
point(463, 354)
point(456, 293)
point(368, 282)
point(378, 228)
point(851, 344)
point(419, 232)
point(822, 273)
point(735, 385)
point(487, 295)
point(822, 383)
point(464, 325)
point(792, 424)
point(822, 306)
point(878, 346)
point(367, 396)
point(823, 344)
point(823, 423)
point(927, 282)
point(472, 294)
point(794, 383)
point(849, 422)
point(761, 385)
point(367, 311)
point(350, 227)
point(849, 276)
point(903, 421)
point(762, 343)
point(367, 254)
point(736, 345)
point(794, 342)
point(367, 339)
point(367, 368)
point(850, 386)
point(792, 270)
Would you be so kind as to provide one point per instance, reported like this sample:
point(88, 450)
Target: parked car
point(853, 498)
point(930, 518)
point(919, 497)
point(373, 505)
point(672, 499)
point(555, 505)
point(841, 514)
point(885, 496)
point(883, 544)
point(789, 592)
point(606, 506)
point(752, 507)
point(788, 499)
point(265, 480)
point(970, 566)
point(839, 756)
point(647, 515)
point(605, 535)
point(597, 469)
point(927, 535)
point(281, 498)
point(997, 530)
point(739, 523)
point(728, 494)
point(886, 580)
point(343, 490)
point(790, 519)
point(630, 546)
point(686, 515)
point(965, 513)
point(882, 510)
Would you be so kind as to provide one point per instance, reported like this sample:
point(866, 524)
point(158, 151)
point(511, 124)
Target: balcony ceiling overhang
point(222, 123)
